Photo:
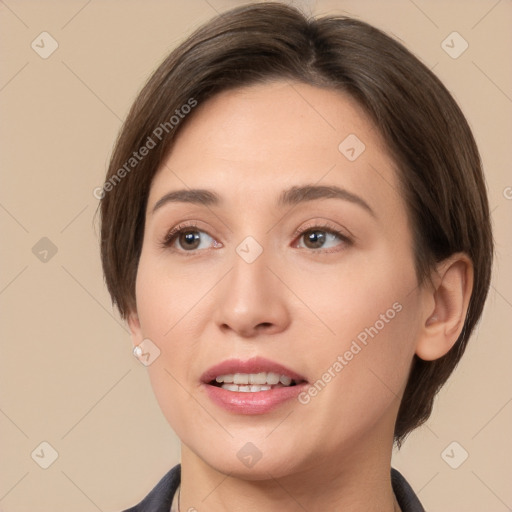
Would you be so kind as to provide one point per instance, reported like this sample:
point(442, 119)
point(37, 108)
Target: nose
point(253, 298)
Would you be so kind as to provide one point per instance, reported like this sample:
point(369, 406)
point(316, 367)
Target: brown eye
point(315, 239)
point(320, 237)
point(187, 238)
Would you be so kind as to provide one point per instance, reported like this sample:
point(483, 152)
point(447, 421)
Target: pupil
point(316, 237)
point(191, 237)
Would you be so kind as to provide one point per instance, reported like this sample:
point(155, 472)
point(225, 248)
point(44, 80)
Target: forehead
point(267, 137)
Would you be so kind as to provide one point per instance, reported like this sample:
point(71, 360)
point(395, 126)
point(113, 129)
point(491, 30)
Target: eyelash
point(171, 236)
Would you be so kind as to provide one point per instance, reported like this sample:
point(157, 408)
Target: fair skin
point(299, 303)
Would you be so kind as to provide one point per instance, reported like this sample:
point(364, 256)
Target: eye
point(322, 237)
point(189, 238)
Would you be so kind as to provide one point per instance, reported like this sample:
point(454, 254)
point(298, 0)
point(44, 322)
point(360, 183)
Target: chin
point(261, 470)
point(246, 461)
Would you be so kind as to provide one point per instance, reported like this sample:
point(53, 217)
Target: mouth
point(253, 382)
point(255, 386)
point(251, 376)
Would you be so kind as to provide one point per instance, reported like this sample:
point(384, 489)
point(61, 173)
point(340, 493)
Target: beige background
point(67, 373)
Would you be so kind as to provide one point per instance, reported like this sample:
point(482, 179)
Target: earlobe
point(453, 284)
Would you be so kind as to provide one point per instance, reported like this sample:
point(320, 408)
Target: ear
point(135, 329)
point(446, 307)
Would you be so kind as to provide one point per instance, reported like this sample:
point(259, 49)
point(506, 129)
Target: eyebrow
point(289, 197)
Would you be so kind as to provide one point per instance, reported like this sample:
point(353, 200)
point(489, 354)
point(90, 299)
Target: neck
point(359, 480)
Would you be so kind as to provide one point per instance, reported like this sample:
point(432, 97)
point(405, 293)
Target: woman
point(295, 227)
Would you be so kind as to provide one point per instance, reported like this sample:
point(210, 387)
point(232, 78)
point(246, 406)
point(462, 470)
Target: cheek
point(170, 303)
point(367, 296)
point(371, 318)
point(162, 295)
point(360, 374)
point(171, 316)
point(373, 367)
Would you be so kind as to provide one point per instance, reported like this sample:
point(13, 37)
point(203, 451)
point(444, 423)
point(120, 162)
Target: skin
point(295, 304)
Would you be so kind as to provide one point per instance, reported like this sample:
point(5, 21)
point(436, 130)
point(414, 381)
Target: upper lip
point(253, 365)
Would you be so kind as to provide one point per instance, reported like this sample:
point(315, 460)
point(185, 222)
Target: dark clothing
point(160, 498)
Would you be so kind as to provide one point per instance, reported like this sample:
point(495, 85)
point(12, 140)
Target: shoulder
point(405, 496)
point(160, 497)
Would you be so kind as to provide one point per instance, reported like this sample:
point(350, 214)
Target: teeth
point(225, 378)
point(241, 378)
point(248, 380)
point(246, 389)
point(272, 378)
point(258, 378)
point(284, 380)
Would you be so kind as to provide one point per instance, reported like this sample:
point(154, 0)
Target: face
point(275, 282)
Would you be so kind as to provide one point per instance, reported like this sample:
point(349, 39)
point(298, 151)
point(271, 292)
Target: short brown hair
point(427, 135)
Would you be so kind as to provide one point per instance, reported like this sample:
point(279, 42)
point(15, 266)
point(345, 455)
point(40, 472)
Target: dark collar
point(160, 498)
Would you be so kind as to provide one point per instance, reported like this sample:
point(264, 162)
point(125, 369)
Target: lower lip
point(259, 402)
